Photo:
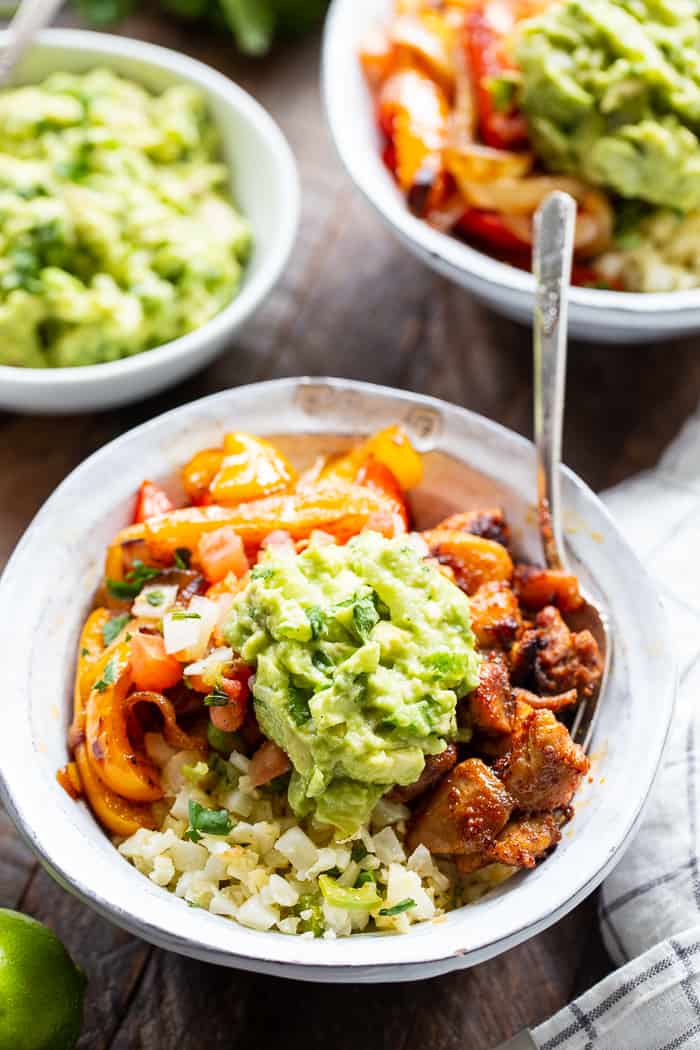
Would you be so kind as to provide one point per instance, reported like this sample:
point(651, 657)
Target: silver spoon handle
point(553, 252)
point(29, 18)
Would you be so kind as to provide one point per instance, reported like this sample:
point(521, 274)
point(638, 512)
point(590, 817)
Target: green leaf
point(217, 698)
point(134, 581)
point(321, 660)
point(206, 821)
point(114, 627)
point(364, 877)
point(109, 675)
point(396, 909)
point(252, 22)
point(317, 620)
point(155, 598)
point(298, 705)
point(183, 556)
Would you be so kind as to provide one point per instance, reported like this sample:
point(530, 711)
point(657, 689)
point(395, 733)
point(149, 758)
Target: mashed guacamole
point(361, 653)
point(611, 89)
point(116, 231)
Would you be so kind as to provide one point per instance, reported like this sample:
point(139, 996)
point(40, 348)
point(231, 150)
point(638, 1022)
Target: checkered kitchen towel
point(650, 905)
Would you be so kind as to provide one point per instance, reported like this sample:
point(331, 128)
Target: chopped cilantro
point(364, 616)
point(155, 597)
point(298, 705)
point(262, 572)
point(85, 651)
point(358, 851)
point(321, 660)
point(206, 821)
point(183, 556)
point(114, 627)
point(397, 909)
point(317, 620)
point(217, 698)
point(363, 878)
point(135, 579)
point(109, 675)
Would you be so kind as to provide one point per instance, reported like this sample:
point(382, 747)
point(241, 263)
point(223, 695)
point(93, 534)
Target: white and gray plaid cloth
point(650, 905)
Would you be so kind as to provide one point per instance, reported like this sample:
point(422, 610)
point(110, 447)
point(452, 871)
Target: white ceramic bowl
point(264, 183)
point(599, 316)
point(47, 590)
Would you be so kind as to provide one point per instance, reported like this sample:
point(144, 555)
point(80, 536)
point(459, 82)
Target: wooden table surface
point(351, 303)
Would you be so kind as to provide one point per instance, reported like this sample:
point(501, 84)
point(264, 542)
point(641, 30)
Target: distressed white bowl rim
point(40, 602)
point(446, 253)
point(252, 292)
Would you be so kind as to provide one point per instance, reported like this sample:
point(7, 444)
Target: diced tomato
point(489, 226)
point(268, 762)
point(221, 552)
point(486, 28)
point(376, 476)
point(230, 717)
point(152, 668)
point(151, 501)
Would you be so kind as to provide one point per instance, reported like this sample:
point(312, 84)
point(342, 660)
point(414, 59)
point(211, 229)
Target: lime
point(41, 989)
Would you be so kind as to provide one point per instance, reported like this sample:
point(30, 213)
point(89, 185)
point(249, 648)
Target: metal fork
point(554, 241)
point(29, 18)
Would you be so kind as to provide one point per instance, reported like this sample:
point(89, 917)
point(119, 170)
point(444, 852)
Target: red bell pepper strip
point(151, 501)
point(485, 29)
point(489, 226)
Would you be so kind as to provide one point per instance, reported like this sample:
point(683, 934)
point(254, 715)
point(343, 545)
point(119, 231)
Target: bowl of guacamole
point(147, 205)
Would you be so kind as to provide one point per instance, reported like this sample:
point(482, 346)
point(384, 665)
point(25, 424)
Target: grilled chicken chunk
point(495, 615)
point(521, 844)
point(491, 706)
point(544, 766)
point(464, 814)
point(435, 767)
point(550, 703)
point(550, 659)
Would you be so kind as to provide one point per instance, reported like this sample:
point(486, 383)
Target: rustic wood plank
point(351, 303)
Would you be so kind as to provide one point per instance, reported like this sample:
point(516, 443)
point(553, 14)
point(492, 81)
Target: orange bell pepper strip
point(246, 468)
point(473, 559)
point(115, 813)
point(110, 752)
point(412, 112)
point(340, 509)
point(376, 476)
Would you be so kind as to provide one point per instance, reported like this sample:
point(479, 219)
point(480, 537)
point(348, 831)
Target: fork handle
point(552, 257)
point(29, 18)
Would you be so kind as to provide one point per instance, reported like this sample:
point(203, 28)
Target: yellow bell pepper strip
point(391, 447)
point(115, 813)
point(246, 468)
point(110, 752)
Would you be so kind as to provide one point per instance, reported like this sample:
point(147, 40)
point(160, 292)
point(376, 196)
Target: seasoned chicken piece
point(495, 615)
point(521, 844)
point(536, 588)
point(464, 814)
point(491, 704)
point(550, 659)
point(549, 703)
point(489, 523)
point(544, 767)
point(435, 767)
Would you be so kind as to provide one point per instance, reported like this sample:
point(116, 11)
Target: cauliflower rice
point(265, 872)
